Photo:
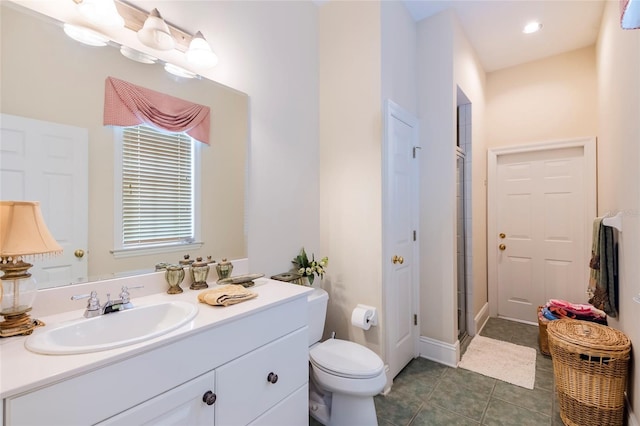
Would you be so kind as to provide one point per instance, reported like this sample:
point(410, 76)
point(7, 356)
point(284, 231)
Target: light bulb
point(200, 52)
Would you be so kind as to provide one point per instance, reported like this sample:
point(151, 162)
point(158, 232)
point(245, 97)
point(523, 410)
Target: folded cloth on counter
point(226, 295)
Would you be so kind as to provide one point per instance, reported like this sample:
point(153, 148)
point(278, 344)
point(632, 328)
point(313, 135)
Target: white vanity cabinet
point(256, 365)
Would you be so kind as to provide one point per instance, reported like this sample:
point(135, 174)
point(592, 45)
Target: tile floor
point(429, 393)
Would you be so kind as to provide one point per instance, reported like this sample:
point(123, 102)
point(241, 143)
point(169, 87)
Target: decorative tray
point(244, 280)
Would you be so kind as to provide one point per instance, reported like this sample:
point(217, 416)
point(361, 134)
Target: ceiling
point(494, 27)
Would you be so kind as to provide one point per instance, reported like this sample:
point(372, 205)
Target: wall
point(350, 155)
point(549, 99)
point(399, 66)
point(270, 51)
point(74, 95)
point(470, 77)
point(618, 67)
point(446, 62)
point(259, 56)
point(436, 106)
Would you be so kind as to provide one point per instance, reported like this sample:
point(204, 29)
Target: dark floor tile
point(506, 414)
point(431, 415)
point(419, 378)
point(473, 382)
point(544, 362)
point(544, 379)
point(539, 400)
point(397, 408)
point(460, 399)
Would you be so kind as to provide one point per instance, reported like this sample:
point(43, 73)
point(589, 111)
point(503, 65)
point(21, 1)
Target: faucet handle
point(93, 304)
point(124, 293)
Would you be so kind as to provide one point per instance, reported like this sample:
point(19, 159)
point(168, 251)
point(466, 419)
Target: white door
point(400, 248)
point(47, 162)
point(544, 207)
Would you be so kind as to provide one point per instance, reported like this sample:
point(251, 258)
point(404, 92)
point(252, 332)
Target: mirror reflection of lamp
point(23, 235)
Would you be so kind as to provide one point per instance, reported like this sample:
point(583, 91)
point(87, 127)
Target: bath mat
point(504, 361)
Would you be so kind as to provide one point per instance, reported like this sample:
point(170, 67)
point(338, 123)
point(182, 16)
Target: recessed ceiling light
point(532, 27)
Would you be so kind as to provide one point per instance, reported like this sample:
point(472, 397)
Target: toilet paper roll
point(363, 317)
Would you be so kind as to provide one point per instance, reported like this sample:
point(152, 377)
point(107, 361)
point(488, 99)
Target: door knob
point(272, 378)
point(209, 398)
point(502, 247)
point(79, 253)
point(503, 235)
point(397, 259)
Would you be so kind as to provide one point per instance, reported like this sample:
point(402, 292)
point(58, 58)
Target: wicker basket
point(590, 364)
point(543, 339)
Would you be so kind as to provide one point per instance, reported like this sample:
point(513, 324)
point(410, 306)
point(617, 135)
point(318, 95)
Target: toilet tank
point(317, 301)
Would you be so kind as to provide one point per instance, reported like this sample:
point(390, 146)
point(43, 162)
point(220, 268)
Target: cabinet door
point(291, 411)
point(183, 405)
point(247, 386)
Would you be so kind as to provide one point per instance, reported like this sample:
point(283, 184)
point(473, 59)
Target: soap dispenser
point(224, 269)
point(199, 273)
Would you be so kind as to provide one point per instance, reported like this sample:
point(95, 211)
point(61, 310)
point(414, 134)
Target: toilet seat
point(346, 359)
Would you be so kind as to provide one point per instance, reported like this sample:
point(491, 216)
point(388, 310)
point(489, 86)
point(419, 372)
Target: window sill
point(143, 251)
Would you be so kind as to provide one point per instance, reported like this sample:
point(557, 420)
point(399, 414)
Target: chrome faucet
point(94, 308)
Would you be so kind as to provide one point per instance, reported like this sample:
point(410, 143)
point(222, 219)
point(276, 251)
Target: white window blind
point(157, 187)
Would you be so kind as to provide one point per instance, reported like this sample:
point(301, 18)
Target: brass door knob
point(79, 253)
point(502, 247)
point(503, 235)
point(397, 259)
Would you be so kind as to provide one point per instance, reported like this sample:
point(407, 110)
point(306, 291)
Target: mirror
point(47, 76)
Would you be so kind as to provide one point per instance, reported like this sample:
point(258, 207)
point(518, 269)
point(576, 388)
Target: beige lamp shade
point(23, 231)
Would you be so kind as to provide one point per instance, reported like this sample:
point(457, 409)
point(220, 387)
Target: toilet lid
point(346, 359)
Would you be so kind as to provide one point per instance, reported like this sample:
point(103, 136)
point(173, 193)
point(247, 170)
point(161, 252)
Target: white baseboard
point(435, 350)
point(481, 319)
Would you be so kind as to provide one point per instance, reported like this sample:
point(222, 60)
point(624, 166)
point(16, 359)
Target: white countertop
point(22, 370)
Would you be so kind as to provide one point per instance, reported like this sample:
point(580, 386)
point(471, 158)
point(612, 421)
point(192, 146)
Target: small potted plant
point(308, 269)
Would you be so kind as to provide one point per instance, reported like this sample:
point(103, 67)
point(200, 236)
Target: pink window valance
point(126, 104)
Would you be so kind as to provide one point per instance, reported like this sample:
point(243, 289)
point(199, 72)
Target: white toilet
point(343, 376)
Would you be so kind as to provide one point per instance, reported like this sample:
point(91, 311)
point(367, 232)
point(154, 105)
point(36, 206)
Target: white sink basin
point(112, 330)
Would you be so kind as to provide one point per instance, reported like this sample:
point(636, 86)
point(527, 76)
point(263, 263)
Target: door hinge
point(414, 150)
point(414, 235)
point(415, 319)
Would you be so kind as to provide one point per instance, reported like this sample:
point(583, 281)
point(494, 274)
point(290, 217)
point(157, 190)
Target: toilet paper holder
point(371, 316)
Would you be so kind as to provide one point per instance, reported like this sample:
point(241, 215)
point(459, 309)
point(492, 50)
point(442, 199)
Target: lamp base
point(18, 324)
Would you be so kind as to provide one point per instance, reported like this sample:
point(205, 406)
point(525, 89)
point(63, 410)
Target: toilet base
point(337, 409)
point(352, 410)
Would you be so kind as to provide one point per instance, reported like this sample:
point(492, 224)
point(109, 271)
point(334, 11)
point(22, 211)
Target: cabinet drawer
point(291, 411)
point(242, 385)
point(182, 405)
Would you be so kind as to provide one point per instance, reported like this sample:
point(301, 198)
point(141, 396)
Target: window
point(156, 190)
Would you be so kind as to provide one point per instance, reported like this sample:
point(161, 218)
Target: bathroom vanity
point(245, 364)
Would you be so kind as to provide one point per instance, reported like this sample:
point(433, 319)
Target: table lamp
point(23, 235)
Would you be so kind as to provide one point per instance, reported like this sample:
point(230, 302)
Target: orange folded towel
point(226, 295)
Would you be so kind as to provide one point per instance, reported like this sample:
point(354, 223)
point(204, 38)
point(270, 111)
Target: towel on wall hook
point(603, 279)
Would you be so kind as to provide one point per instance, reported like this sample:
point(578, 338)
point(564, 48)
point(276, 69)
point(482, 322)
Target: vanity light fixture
point(101, 12)
point(532, 27)
point(23, 235)
point(155, 32)
point(85, 35)
point(179, 71)
point(137, 56)
point(200, 53)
